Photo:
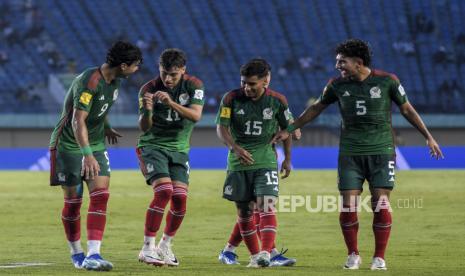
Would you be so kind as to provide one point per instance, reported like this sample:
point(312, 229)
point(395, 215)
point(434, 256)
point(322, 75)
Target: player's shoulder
point(232, 95)
point(90, 78)
point(385, 75)
point(151, 86)
point(276, 95)
point(192, 81)
point(334, 81)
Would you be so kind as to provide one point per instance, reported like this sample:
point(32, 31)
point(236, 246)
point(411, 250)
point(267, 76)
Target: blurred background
point(44, 44)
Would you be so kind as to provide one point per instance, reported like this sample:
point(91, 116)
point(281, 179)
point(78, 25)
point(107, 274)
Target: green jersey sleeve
point(397, 92)
point(196, 91)
point(328, 96)
point(223, 117)
point(284, 116)
point(82, 97)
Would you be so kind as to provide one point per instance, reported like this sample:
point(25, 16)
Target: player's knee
point(99, 197)
point(163, 190)
point(244, 209)
point(179, 196)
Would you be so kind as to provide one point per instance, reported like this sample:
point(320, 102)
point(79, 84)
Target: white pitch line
point(16, 265)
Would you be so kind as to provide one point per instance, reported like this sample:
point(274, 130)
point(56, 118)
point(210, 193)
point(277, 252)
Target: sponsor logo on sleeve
point(85, 98)
point(198, 94)
point(401, 90)
point(225, 112)
point(115, 95)
point(287, 114)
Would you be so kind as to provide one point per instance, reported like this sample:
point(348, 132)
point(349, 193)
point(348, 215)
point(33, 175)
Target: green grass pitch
point(425, 240)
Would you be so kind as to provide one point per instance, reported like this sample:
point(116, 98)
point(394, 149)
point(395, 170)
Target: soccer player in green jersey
point(366, 150)
point(78, 152)
point(247, 120)
point(227, 255)
point(169, 106)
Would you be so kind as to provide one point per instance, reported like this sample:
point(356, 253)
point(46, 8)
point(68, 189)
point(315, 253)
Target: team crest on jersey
point(184, 98)
point(61, 177)
point(375, 92)
point(198, 94)
point(115, 95)
point(267, 113)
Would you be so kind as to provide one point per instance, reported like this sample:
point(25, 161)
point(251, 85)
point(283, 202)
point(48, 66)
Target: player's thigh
point(65, 168)
point(238, 186)
point(179, 167)
point(104, 163)
point(153, 163)
point(381, 171)
point(350, 173)
point(266, 182)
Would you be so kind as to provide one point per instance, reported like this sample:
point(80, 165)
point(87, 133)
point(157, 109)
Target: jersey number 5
point(361, 108)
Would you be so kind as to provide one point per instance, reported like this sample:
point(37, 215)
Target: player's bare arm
point(409, 112)
point(111, 134)
point(225, 136)
point(296, 134)
point(193, 112)
point(307, 116)
point(286, 165)
point(90, 166)
point(145, 120)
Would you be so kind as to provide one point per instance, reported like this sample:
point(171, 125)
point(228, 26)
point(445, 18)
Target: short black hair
point(256, 67)
point(123, 52)
point(355, 48)
point(171, 58)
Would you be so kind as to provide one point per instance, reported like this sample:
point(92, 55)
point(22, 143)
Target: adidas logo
point(102, 98)
point(346, 94)
point(240, 112)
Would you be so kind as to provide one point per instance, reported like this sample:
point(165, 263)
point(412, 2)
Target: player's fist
point(163, 97)
point(147, 101)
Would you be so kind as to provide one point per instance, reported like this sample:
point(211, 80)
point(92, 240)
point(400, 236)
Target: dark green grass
point(427, 240)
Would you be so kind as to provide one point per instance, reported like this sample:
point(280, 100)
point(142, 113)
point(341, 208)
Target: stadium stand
point(423, 42)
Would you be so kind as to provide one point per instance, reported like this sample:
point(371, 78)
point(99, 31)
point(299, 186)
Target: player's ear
point(267, 80)
point(123, 66)
point(183, 70)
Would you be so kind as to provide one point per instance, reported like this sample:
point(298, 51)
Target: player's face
point(171, 77)
point(253, 86)
point(348, 66)
point(126, 70)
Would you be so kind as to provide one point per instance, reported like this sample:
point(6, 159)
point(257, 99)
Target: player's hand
point(297, 134)
point(285, 168)
point(280, 136)
point(147, 101)
point(112, 136)
point(434, 149)
point(90, 167)
point(244, 156)
point(164, 97)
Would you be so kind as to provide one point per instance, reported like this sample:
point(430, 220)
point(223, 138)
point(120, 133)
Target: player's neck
point(363, 74)
point(109, 74)
point(259, 95)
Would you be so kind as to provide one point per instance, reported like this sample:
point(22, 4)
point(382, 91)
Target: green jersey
point(169, 130)
point(365, 108)
point(253, 125)
point(88, 92)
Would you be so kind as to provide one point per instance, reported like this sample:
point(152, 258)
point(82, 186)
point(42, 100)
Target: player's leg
point(228, 254)
point(154, 167)
point(249, 232)
point(97, 214)
point(381, 179)
point(179, 173)
point(351, 178)
point(266, 185)
point(65, 171)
